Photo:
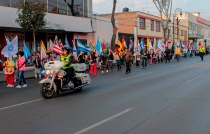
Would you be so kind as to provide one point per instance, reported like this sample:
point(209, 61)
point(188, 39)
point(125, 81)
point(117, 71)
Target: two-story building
point(199, 28)
point(137, 25)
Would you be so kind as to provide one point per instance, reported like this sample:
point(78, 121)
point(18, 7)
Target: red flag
point(104, 45)
point(57, 49)
point(123, 43)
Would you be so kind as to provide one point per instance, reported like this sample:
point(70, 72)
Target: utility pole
point(177, 29)
point(173, 29)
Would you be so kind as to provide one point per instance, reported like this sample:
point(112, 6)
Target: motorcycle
point(55, 79)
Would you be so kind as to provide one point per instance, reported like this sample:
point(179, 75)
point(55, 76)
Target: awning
point(196, 36)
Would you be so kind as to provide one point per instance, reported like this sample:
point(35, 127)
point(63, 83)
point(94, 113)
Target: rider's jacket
point(67, 61)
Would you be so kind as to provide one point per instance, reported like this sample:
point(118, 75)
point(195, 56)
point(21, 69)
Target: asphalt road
point(167, 98)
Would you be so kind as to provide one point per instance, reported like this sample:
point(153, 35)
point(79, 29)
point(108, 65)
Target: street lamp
point(177, 19)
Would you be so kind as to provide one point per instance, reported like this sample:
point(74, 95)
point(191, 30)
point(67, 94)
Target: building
point(199, 28)
point(137, 25)
point(75, 22)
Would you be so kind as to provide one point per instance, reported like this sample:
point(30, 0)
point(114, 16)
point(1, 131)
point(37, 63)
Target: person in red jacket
point(93, 63)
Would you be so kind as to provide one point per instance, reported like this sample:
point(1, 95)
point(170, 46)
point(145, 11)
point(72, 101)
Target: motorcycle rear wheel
point(45, 93)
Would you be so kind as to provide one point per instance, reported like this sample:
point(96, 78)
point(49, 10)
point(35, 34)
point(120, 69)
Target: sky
point(105, 6)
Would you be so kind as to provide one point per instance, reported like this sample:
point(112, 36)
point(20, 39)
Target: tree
point(31, 16)
point(164, 7)
point(113, 24)
point(71, 6)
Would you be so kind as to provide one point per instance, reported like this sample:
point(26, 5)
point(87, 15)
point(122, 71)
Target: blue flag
point(67, 44)
point(142, 44)
point(82, 48)
point(98, 46)
point(27, 53)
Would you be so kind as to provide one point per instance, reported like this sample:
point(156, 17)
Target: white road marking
point(195, 78)
point(100, 123)
point(19, 104)
point(136, 76)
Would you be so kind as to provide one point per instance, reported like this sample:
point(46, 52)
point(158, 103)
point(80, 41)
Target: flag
point(150, 46)
point(98, 47)
point(119, 44)
point(131, 44)
point(123, 43)
point(116, 47)
point(81, 47)
point(148, 42)
point(51, 46)
point(104, 45)
point(142, 43)
point(27, 53)
point(160, 46)
point(74, 50)
point(43, 51)
point(60, 43)
point(67, 44)
point(10, 49)
point(7, 40)
point(92, 46)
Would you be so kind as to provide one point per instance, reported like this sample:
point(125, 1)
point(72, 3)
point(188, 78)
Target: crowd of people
point(15, 68)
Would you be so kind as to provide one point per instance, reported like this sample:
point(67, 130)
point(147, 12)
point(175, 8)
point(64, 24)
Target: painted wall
point(102, 28)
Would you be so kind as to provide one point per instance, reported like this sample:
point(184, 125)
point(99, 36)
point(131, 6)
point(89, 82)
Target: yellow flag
point(43, 50)
point(148, 42)
point(120, 44)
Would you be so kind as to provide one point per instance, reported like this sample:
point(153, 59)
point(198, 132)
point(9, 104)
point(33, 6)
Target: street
point(166, 98)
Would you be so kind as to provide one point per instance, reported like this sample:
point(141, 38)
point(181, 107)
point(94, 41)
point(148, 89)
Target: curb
point(31, 77)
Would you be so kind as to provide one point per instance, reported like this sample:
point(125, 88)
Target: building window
point(14, 3)
point(62, 7)
point(142, 23)
point(52, 6)
point(182, 33)
point(152, 25)
point(5, 3)
point(185, 33)
point(157, 26)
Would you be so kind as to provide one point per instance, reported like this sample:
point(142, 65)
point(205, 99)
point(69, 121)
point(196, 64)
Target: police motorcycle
point(57, 79)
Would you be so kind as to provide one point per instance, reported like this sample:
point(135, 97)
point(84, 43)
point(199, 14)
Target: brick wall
point(126, 21)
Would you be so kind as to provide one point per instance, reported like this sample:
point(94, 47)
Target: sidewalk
point(29, 73)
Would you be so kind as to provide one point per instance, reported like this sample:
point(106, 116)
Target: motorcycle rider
point(67, 58)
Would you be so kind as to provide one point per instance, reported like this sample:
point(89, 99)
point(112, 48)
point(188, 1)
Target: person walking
point(14, 60)
point(104, 62)
point(201, 51)
point(177, 53)
point(9, 72)
point(81, 58)
point(21, 66)
point(117, 58)
point(127, 58)
point(110, 60)
point(93, 65)
point(38, 65)
point(137, 56)
point(144, 56)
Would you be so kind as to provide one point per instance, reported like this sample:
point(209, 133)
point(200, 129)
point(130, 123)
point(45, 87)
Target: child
point(9, 72)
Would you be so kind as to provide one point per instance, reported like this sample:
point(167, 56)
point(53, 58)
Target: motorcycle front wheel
point(45, 92)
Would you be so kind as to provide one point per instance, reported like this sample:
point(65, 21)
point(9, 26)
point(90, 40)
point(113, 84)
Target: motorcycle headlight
point(43, 71)
point(47, 72)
